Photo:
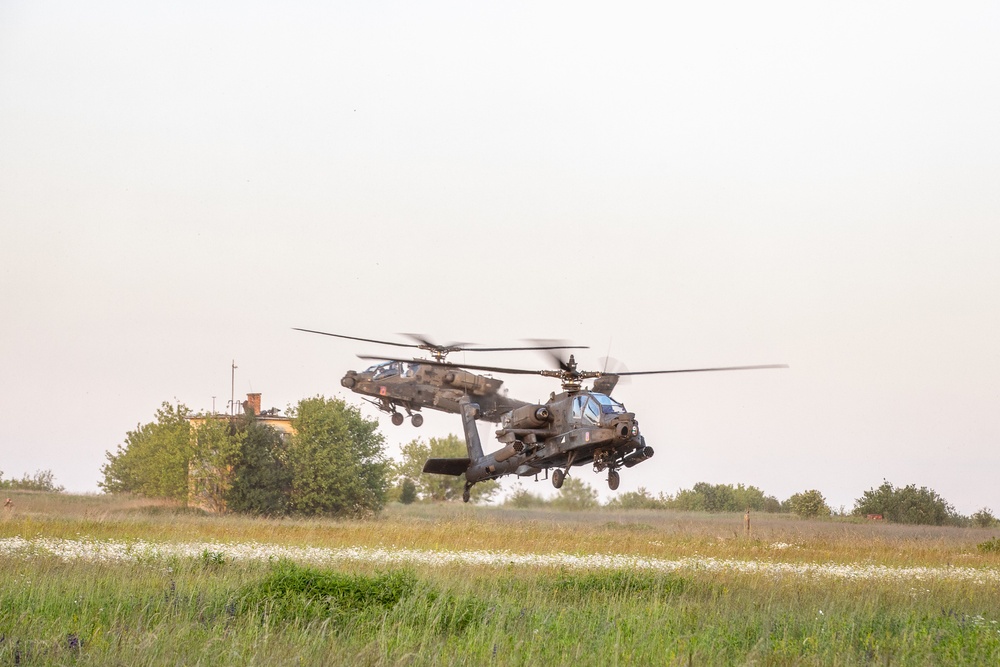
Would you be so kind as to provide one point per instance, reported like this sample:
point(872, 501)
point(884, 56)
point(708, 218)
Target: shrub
point(408, 492)
point(43, 480)
point(705, 497)
point(575, 494)
point(521, 498)
point(984, 518)
point(907, 505)
point(635, 500)
point(294, 592)
point(989, 546)
point(809, 504)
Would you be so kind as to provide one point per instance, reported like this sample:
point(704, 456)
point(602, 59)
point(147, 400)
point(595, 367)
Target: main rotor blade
point(364, 340)
point(445, 364)
point(539, 347)
point(558, 361)
point(704, 370)
point(522, 371)
point(427, 344)
point(423, 343)
point(473, 347)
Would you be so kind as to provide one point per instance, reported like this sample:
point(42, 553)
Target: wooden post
point(746, 522)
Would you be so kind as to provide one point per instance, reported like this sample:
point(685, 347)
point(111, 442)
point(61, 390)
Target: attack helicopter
point(415, 384)
point(573, 428)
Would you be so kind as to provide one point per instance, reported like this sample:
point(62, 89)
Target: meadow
point(127, 581)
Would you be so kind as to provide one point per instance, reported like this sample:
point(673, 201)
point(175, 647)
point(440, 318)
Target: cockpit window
point(591, 407)
point(609, 406)
point(385, 370)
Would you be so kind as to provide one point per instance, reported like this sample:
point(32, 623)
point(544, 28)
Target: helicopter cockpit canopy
point(391, 369)
point(609, 406)
point(591, 406)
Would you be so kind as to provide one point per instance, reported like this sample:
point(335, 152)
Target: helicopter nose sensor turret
point(624, 427)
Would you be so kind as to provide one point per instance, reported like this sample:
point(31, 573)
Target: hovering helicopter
point(575, 427)
point(418, 383)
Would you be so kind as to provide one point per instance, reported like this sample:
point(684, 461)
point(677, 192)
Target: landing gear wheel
point(397, 419)
point(613, 480)
point(557, 478)
point(417, 420)
point(466, 494)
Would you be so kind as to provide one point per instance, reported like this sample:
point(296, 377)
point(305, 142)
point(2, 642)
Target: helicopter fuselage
point(573, 428)
point(413, 386)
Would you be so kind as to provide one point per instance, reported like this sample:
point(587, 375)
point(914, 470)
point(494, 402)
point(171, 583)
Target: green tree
point(521, 498)
point(408, 492)
point(687, 500)
point(261, 477)
point(808, 504)
point(984, 518)
point(439, 487)
point(153, 461)
point(216, 445)
point(575, 494)
point(636, 500)
point(42, 480)
point(771, 505)
point(337, 460)
point(705, 497)
point(907, 505)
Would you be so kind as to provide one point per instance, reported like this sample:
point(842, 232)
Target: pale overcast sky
point(685, 185)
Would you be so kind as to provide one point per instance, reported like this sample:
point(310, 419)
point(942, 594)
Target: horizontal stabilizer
point(454, 467)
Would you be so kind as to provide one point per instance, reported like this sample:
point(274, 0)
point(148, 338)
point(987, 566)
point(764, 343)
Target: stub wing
point(453, 467)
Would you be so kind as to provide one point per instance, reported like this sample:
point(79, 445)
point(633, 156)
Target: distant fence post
point(746, 522)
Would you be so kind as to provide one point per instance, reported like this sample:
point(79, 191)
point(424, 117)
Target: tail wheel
point(614, 479)
point(466, 494)
point(397, 418)
point(557, 478)
point(417, 419)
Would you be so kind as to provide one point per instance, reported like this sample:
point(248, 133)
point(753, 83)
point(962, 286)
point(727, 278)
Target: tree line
point(907, 504)
point(42, 480)
point(335, 464)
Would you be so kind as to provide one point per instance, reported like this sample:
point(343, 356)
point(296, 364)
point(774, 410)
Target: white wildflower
point(112, 551)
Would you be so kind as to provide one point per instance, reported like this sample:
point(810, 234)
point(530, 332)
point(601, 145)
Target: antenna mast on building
point(232, 392)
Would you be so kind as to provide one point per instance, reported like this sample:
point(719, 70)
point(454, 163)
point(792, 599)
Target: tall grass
point(650, 533)
point(210, 609)
point(204, 612)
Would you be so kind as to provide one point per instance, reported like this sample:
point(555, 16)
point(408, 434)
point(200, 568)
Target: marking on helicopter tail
point(586, 436)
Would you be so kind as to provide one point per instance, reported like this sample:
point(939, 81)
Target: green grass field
point(80, 583)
